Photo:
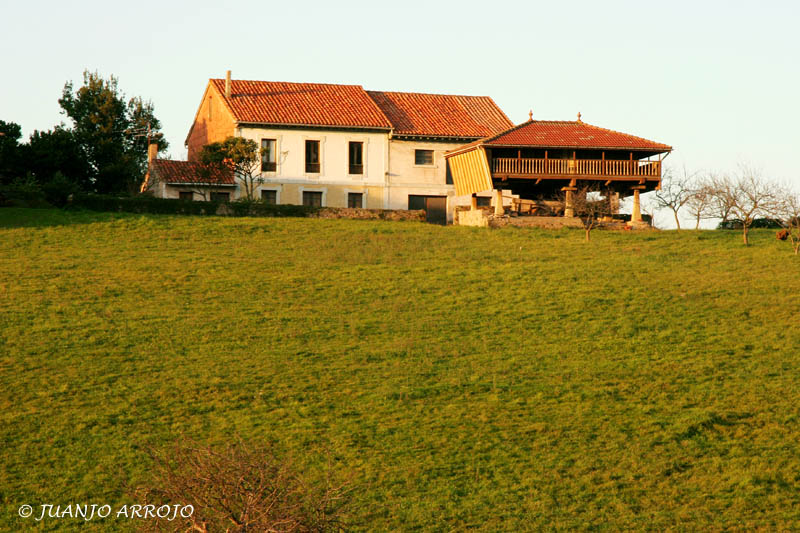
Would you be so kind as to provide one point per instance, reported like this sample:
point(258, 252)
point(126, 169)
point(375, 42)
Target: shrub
point(142, 204)
point(58, 190)
point(169, 206)
point(240, 487)
point(23, 192)
point(769, 223)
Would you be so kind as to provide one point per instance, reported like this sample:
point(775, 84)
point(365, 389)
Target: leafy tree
point(111, 133)
point(10, 157)
point(57, 153)
point(240, 155)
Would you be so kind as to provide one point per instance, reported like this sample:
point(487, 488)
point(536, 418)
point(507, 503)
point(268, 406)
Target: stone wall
point(370, 214)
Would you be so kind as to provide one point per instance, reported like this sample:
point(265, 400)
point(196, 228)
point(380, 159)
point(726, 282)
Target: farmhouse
point(343, 146)
point(340, 145)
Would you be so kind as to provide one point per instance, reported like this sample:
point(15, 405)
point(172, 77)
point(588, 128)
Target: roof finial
point(530, 114)
point(579, 116)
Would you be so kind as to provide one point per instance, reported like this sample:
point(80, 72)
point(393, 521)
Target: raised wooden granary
point(541, 159)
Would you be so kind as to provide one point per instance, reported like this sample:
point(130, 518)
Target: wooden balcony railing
point(573, 167)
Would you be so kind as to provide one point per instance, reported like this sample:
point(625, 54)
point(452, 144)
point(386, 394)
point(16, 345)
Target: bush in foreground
point(241, 487)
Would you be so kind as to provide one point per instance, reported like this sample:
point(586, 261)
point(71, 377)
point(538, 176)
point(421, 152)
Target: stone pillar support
point(569, 209)
point(636, 211)
point(499, 210)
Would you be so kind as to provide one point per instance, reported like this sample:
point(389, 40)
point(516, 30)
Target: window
point(312, 157)
point(356, 158)
point(355, 200)
point(220, 196)
point(312, 198)
point(448, 175)
point(484, 201)
point(423, 157)
point(268, 155)
point(269, 197)
point(186, 195)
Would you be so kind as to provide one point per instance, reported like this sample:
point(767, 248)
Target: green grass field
point(466, 378)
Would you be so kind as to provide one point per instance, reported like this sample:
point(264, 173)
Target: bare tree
point(701, 202)
point(589, 206)
point(240, 488)
point(745, 196)
point(723, 190)
point(649, 206)
point(791, 215)
point(675, 192)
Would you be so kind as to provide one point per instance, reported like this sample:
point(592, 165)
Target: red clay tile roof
point(320, 104)
point(312, 104)
point(170, 171)
point(571, 134)
point(441, 115)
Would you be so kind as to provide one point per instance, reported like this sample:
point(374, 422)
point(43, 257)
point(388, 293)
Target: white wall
point(407, 178)
point(390, 172)
point(334, 154)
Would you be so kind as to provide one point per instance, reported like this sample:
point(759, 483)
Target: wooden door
point(436, 209)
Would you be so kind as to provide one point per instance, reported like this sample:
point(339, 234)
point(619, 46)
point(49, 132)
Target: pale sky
point(719, 81)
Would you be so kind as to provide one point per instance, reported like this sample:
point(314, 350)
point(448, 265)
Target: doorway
point(435, 207)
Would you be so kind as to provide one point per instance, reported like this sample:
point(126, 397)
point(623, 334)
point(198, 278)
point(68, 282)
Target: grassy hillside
point(467, 378)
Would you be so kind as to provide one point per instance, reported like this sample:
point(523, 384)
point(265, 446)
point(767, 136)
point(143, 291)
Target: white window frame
point(277, 190)
point(433, 153)
point(271, 173)
point(364, 151)
point(323, 190)
point(362, 192)
point(321, 139)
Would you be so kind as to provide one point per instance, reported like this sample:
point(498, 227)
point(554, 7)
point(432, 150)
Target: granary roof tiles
point(571, 134)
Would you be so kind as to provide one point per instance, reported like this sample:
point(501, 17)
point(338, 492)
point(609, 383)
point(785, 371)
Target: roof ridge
point(291, 82)
point(620, 133)
point(430, 94)
point(509, 130)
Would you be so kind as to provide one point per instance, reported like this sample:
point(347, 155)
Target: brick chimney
point(228, 84)
point(152, 151)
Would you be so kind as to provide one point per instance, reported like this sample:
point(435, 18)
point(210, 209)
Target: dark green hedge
point(768, 223)
point(169, 206)
point(11, 196)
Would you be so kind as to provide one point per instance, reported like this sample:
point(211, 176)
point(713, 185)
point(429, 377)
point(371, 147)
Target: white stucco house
point(338, 145)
